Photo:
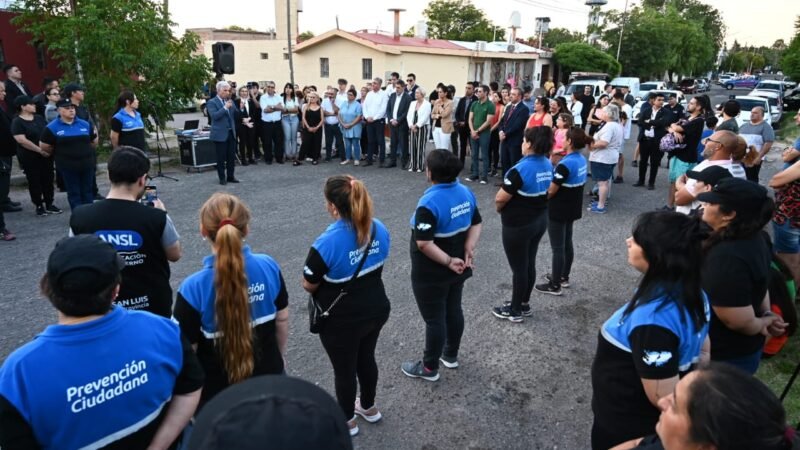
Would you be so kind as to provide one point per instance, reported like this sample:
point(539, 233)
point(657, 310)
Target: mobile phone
point(150, 195)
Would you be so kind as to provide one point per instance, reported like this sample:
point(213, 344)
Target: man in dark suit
point(462, 114)
point(14, 84)
point(48, 83)
point(396, 111)
point(255, 95)
point(653, 123)
point(249, 111)
point(512, 130)
point(224, 117)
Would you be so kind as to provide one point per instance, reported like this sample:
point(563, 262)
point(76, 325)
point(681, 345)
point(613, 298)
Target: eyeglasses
point(708, 139)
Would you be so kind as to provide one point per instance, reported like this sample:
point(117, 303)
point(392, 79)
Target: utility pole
point(622, 28)
point(289, 39)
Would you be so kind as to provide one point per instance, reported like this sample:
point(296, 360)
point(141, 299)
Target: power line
point(551, 7)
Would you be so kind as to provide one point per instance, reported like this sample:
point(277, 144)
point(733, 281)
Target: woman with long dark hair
point(233, 311)
point(657, 336)
point(442, 116)
point(539, 116)
point(26, 128)
point(445, 229)
point(564, 123)
point(290, 121)
point(736, 272)
point(494, 142)
point(522, 204)
point(595, 122)
point(565, 206)
point(722, 408)
point(351, 331)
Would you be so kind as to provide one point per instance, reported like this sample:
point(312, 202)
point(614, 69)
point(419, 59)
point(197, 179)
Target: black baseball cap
point(65, 103)
point(72, 87)
point(23, 100)
point(711, 175)
point(286, 412)
point(83, 264)
point(737, 194)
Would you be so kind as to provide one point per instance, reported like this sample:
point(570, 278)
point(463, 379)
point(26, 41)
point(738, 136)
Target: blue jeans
point(747, 363)
point(289, 124)
point(480, 151)
point(79, 185)
point(786, 237)
point(352, 148)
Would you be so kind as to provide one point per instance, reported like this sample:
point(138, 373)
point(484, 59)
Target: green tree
point(734, 62)
point(304, 36)
point(582, 57)
point(556, 36)
point(460, 20)
point(411, 32)
point(119, 45)
point(238, 28)
point(790, 63)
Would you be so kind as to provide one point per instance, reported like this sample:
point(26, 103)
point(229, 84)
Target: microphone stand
point(163, 137)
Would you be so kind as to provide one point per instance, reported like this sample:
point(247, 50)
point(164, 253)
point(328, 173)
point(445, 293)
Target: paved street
point(519, 385)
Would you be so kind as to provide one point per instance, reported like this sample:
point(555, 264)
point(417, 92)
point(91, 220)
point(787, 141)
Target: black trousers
point(440, 307)
point(5, 179)
point(376, 140)
point(364, 142)
point(257, 143)
point(39, 174)
point(272, 137)
point(521, 245)
point(226, 157)
point(649, 153)
point(311, 147)
point(561, 243)
point(333, 133)
point(351, 350)
point(509, 155)
point(463, 142)
point(247, 143)
point(494, 149)
point(398, 143)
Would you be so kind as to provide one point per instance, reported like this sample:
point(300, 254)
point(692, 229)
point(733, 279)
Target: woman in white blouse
point(418, 117)
point(576, 109)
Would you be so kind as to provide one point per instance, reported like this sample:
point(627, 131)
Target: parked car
point(688, 86)
point(775, 102)
point(646, 87)
point(667, 93)
point(747, 103)
point(791, 101)
point(775, 86)
point(723, 79)
point(703, 85)
point(747, 82)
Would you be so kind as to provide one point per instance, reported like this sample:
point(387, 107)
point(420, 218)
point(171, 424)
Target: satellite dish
point(516, 20)
point(511, 48)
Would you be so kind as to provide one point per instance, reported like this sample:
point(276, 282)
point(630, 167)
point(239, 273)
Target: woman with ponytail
point(233, 311)
point(657, 336)
point(350, 332)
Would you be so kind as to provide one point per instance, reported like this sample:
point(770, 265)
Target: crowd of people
point(673, 366)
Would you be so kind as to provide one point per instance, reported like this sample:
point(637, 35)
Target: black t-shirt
point(72, 143)
point(32, 129)
point(676, 111)
point(692, 131)
point(567, 204)
point(130, 137)
point(267, 356)
point(17, 433)
point(425, 270)
point(735, 274)
point(137, 232)
point(619, 403)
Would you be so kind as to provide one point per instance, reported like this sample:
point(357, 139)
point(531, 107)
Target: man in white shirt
point(374, 111)
point(330, 110)
point(717, 152)
point(271, 130)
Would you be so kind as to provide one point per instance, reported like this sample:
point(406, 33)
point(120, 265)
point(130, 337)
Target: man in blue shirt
point(102, 376)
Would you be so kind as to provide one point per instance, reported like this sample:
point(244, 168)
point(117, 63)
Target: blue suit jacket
point(223, 121)
point(513, 124)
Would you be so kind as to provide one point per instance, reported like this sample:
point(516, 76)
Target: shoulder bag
point(316, 316)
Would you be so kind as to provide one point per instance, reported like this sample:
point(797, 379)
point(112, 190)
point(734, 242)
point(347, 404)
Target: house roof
point(500, 47)
point(396, 46)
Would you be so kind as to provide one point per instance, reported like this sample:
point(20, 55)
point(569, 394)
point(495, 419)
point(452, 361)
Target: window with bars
point(41, 55)
point(324, 68)
point(366, 69)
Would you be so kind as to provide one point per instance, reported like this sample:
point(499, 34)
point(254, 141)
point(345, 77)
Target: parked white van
point(632, 83)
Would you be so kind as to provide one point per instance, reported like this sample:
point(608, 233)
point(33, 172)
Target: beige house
point(360, 56)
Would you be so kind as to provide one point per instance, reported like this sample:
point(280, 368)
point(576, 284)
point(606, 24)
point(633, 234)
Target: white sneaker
point(410, 169)
point(353, 426)
point(356, 163)
point(371, 415)
point(309, 160)
point(345, 162)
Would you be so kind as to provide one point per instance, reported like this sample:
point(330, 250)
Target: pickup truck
point(749, 82)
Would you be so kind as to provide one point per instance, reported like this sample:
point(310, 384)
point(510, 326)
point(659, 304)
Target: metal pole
point(289, 39)
point(622, 28)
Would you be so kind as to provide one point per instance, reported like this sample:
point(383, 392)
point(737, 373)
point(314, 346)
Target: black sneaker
point(505, 312)
point(564, 280)
point(525, 308)
point(53, 209)
point(40, 211)
point(451, 362)
point(418, 370)
point(548, 288)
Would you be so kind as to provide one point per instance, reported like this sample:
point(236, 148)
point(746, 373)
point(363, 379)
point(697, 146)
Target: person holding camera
point(143, 234)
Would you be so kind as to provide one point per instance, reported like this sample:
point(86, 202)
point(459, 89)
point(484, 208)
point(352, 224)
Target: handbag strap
point(352, 279)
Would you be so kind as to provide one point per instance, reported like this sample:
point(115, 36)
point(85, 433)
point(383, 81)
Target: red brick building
point(16, 48)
